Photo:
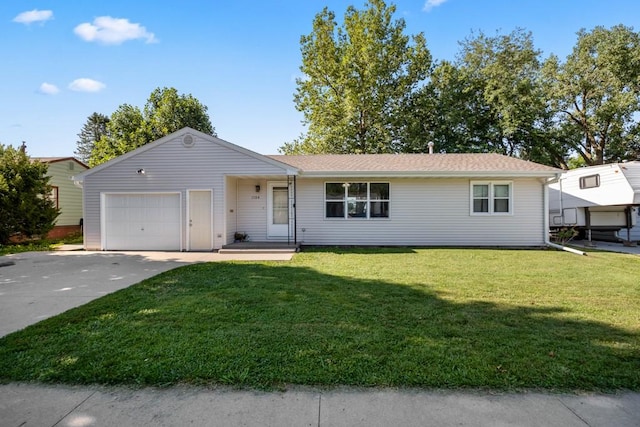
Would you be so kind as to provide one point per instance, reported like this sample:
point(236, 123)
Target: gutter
point(546, 221)
point(423, 174)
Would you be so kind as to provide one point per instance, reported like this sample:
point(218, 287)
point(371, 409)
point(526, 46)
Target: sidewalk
point(606, 246)
point(65, 406)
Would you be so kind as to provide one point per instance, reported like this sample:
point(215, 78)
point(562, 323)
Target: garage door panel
point(142, 222)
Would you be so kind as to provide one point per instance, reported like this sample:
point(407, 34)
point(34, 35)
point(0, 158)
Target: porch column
point(291, 182)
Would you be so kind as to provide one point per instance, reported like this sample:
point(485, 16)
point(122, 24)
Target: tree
point(126, 131)
point(94, 129)
point(595, 94)
point(165, 112)
point(488, 100)
point(25, 206)
point(357, 78)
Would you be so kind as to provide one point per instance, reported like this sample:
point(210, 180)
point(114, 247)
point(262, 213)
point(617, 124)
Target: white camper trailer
point(597, 199)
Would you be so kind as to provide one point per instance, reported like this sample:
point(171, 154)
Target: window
point(591, 181)
point(491, 198)
point(53, 196)
point(357, 200)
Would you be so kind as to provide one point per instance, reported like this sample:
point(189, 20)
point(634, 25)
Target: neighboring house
point(66, 196)
point(191, 191)
point(602, 199)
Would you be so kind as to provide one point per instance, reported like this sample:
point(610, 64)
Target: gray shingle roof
point(423, 164)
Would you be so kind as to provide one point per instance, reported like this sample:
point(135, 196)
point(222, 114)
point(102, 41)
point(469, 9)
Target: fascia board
point(395, 174)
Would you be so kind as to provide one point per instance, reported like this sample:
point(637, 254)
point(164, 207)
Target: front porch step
point(260, 248)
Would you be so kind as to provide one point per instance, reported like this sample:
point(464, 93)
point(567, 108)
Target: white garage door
point(148, 221)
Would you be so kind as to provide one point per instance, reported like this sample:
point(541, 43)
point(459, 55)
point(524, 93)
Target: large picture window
point(491, 198)
point(357, 200)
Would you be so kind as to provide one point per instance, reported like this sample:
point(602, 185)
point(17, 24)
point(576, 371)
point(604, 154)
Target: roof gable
point(290, 170)
point(50, 160)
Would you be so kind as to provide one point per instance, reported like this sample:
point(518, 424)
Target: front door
point(200, 220)
point(277, 210)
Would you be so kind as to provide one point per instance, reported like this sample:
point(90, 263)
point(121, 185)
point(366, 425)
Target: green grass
point(38, 245)
point(445, 318)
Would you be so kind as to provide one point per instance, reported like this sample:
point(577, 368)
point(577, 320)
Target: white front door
point(277, 210)
point(200, 220)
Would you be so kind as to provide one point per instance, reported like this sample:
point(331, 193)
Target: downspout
point(295, 211)
point(547, 242)
point(235, 211)
point(289, 184)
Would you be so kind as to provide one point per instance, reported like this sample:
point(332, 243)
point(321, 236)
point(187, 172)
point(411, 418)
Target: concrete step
point(260, 248)
point(258, 251)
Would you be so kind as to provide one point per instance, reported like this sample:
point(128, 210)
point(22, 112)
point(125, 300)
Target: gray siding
point(69, 195)
point(230, 209)
point(425, 212)
point(635, 231)
point(171, 166)
point(252, 209)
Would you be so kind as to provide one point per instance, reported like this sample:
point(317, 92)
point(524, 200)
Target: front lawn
point(445, 318)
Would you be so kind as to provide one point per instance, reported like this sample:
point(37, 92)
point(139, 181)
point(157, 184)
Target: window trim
point(583, 181)
point(345, 201)
point(491, 198)
point(54, 196)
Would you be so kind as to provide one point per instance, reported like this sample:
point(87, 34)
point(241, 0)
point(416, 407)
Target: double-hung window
point(357, 200)
point(53, 196)
point(491, 198)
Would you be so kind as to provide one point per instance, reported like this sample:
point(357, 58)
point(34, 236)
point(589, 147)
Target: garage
point(142, 221)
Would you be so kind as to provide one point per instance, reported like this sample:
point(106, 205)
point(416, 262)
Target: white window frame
point(589, 181)
point(492, 198)
point(54, 196)
point(346, 200)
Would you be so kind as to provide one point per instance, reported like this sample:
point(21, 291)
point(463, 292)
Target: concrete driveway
point(38, 285)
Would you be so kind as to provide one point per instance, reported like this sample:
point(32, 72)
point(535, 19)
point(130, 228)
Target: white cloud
point(108, 30)
point(49, 89)
point(86, 85)
point(34, 15)
point(430, 4)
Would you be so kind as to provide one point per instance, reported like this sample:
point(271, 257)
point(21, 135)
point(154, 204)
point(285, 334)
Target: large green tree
point(357, 78)
point(595, 94)
point(489, 99)
point(94, 129)
point(25, 206)
point(166, 111)
point(126, 131)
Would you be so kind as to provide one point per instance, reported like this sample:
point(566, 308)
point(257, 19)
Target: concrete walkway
point(33, 405)
point(606, 246)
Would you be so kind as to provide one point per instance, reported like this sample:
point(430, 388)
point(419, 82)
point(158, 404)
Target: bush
point(25, 206)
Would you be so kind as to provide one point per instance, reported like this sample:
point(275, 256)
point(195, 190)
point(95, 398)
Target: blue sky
point(64, 60)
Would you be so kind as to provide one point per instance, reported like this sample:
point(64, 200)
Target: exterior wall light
point(140, 171)
point(257, 188)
